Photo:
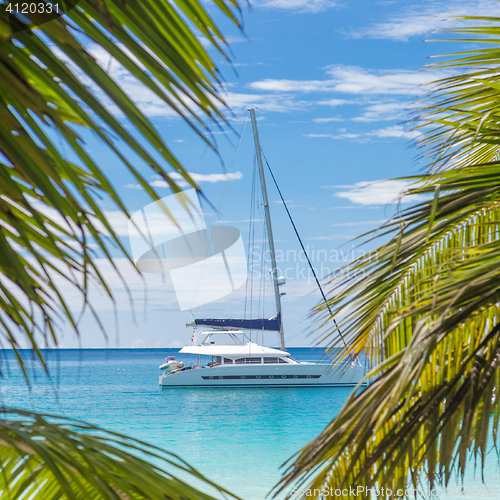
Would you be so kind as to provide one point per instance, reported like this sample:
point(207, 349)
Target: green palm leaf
point(52, 91)
point(49, 210)
point(426, 305)
point(49, 457)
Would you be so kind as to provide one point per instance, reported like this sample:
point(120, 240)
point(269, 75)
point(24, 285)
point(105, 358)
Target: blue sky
point(333, 83)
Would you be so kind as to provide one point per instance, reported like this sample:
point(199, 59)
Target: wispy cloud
point(427, 17)
point(159, 288)
point(340, 136)
point(211, 178)
point(360, 223)
point(278, 103)
point(355, 80)
point(334, 102)
point(319, 136)
point(380, 192)
point(154, 107)
point(328, 120)
point(231, 39)
point(313, 6)
point(273, 85)
point(384, 111)
point(199, 178)
point(394, 132)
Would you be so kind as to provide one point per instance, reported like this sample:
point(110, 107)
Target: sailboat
point(243, 363)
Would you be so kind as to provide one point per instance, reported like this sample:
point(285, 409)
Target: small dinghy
point(171, 364)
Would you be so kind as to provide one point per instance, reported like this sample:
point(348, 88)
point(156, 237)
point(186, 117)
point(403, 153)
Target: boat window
point(270, 360)
point(228, 361)
point(281, 360)
point(253, 360)
point(240, 361)
point(217, 359)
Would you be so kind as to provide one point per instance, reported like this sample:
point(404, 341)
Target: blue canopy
point(271, 324)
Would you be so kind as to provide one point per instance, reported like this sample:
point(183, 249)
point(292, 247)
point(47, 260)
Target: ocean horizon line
point(129, 348)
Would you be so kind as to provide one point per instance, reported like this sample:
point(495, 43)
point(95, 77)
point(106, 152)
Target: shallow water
point(238, 438)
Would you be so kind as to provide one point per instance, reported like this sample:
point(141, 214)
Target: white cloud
point(355, 80)
point(141, 292)
point(380, 192)
point(396, 131)
point(328, 120)
point(384, 111)
point(231, 39)
point(235, 39)
point(334, 136)
point(153, 106)
point(360, 223)
point(138, 343)
point(198, 178)
point(279, 103)
point(144, 98)
point(406, 26)
point(313, 6)
point(272, 85)
point(347, 136)
point(334, 102)
point(319, 136)
point(427, 17)
point(116, 218)
point(211, 178)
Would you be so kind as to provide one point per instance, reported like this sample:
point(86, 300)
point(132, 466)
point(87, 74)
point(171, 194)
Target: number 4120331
point(33, 8)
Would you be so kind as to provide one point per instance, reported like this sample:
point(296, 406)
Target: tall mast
point(274, 270)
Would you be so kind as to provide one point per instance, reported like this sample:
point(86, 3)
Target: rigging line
point(250, 263)
point(305, 253)
point(220, 207)
point(262, 290)
point(251, 243)
point(230, 169)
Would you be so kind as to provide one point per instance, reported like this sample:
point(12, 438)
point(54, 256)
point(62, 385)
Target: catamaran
point(236, 361)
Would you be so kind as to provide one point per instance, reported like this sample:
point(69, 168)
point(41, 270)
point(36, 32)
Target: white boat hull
point(261, 375)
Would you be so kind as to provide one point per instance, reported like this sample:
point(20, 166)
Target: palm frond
point(425, 306)
point(52, 91)
point(42, 456)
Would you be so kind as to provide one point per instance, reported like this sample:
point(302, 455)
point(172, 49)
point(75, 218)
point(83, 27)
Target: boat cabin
point(240, 354)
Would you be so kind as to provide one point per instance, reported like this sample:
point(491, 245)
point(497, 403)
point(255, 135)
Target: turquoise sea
point(238, 438)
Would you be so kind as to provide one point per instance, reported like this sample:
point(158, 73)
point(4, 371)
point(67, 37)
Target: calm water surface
point(238, 438)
